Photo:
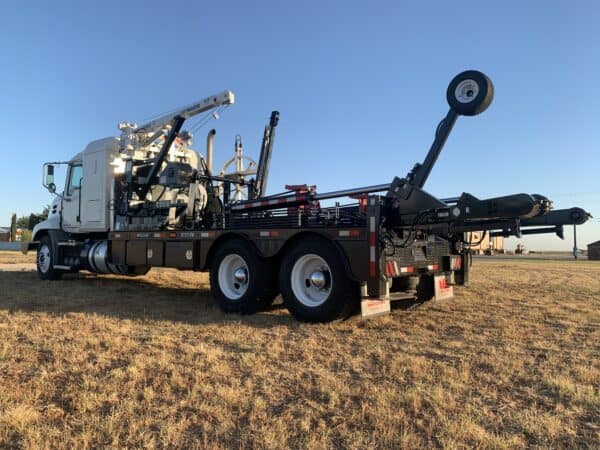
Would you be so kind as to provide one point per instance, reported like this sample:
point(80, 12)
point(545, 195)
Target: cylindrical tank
point(96, 256)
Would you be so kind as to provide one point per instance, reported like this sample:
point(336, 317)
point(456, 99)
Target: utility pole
point(574, 241)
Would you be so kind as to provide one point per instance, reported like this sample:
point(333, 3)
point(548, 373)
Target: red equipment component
point(302, 190)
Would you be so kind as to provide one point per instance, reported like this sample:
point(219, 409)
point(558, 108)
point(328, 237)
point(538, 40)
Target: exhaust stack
point(210, 138)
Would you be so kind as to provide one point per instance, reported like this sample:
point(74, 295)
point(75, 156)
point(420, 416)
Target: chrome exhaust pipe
point(210, 138)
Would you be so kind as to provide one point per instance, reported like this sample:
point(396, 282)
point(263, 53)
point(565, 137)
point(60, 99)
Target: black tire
point(259, 279)
point(339, 298)
point(45, 260)
point(425, 288)
point(470, 93)
point(137, 271)
point(270, 291)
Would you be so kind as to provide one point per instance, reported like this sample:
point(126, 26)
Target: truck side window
point(75, 177)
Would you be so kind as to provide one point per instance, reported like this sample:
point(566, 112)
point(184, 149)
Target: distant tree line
point(26, 223)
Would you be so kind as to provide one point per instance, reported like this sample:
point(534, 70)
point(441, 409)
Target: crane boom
point(214, 101)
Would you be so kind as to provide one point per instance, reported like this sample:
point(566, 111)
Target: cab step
point(68, 244)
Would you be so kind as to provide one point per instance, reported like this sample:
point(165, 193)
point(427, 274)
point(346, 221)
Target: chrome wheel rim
point(233, 276)
point(43, 258)
point(311, 280)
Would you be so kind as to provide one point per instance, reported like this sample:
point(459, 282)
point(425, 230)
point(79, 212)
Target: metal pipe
point(210, 138)
point(302, 199)
point(354, 191)
point(262, 172)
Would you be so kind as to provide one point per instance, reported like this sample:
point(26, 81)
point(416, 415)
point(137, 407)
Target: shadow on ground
point(160, 296)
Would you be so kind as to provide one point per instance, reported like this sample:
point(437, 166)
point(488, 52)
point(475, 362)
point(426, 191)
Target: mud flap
point(443, 290)
point(373, 307)
point(370, 307)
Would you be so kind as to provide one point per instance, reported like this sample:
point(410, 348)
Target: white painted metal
point(134, 137)
point(53, 220)
point(370, 308)
point(233, 276)
point(238, 161)
point(91, 203)
point(223, 98)
point(443, 290)
point(466, 91)
point(311, 280)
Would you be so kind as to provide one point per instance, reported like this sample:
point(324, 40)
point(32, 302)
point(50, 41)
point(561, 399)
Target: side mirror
point(49, 178)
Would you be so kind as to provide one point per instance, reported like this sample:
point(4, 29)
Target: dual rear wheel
point(312, 279)
point(314, 282)
point(240, 280)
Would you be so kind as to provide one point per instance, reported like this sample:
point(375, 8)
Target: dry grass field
point(512, 362)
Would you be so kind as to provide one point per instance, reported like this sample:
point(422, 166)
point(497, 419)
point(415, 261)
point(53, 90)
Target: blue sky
point(360, 87)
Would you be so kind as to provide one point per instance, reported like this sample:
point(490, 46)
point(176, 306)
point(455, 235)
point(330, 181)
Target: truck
point(147, 199)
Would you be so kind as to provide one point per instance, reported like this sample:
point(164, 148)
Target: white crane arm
point(134, 137)
point(214, 101)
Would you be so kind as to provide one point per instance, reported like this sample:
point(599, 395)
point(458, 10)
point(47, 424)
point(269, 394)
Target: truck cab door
point(71, 203)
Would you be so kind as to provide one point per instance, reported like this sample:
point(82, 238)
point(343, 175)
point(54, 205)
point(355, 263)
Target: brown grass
point(89, 361)
point(9, 257)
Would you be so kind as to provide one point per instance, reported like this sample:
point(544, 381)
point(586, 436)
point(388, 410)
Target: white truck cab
point(84, 206)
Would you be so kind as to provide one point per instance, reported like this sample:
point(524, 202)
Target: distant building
point(19, 234)
point(5, 234)
point(487, 244)
point(594, 250)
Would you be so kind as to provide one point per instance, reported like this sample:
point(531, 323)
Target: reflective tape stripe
point(268, 233)
point(372, 250)
point(349, 233)
point(390, 268)
point(372, 269)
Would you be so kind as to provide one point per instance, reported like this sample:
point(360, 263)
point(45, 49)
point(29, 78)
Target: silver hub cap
point(317, 279)
point(233, 276)
point(43, 258)
point(466, 91)
point(311, 280)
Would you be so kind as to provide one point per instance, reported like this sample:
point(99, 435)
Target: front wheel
point(314, 284)
point(45, 260)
